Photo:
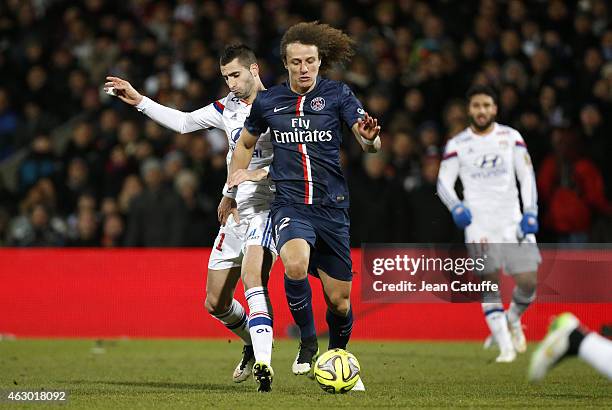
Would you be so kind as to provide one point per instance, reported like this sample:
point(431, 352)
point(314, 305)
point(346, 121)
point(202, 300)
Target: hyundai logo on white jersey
point(488, 161)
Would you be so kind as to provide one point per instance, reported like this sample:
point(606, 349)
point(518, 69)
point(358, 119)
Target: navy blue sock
point(299, 298)
point(340, 328)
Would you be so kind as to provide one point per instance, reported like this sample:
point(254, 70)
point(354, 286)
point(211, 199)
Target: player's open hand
point(123, 90)
point(227, 206)
point(368, 127)
point(241, 175)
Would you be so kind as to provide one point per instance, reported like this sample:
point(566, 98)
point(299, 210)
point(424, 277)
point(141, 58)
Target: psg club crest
point(317, 103)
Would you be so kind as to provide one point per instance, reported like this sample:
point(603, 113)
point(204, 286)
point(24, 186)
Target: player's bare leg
point(295, 254)
point(220, 303)
point(256, 266)
point(523, 295)
point(495, 317)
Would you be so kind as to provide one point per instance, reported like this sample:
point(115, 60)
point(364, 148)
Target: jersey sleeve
point(351, 108)
point(525, 175)
point(256, 123)
point(447, 176)
point(210, 116)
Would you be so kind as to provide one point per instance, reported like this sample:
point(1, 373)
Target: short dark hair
point(481, 89)
point(333, 45)
point(242, 52)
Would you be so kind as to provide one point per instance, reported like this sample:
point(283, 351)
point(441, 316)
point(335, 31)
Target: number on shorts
point(220, 244)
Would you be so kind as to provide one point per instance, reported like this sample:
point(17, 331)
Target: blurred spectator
point(39, 163)
point(77, 182)
point(405, 160)
point(82, 145)
point(109, 206)
point(371, 201)
point(596, 140)
point(173, 164)
point(156, 203)
point(571, 188)
point(201, 225)
point(116, 169)
point(112, 231)
point(86, 203)
point(9, 122)
point(86, 230)
point(36, 229)
point(132, 187)
point(430, 221)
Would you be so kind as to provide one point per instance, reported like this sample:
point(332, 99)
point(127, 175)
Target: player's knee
point(339, 304)
point(214, 306)
point(528, 284)
point(296, 269)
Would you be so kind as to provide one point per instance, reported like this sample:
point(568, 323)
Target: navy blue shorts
point(325, 228)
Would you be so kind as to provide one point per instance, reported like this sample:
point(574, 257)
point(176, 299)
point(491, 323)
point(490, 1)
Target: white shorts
point(233, 239)
point(503, 249)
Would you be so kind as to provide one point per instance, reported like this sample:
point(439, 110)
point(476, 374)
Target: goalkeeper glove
point(461, 216)
point(529, 224)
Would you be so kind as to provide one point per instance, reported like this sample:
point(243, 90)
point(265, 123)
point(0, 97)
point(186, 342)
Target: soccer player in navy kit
point(310, 211)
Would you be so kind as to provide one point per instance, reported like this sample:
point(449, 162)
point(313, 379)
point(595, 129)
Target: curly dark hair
point(333, 45)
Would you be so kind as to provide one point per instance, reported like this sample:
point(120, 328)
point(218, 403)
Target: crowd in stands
point(95, 172)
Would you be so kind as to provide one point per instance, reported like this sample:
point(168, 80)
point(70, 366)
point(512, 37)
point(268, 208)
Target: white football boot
point(518, 337)
point(553, 348)
point(306, 357)
point(244, 368)
point(506, 356)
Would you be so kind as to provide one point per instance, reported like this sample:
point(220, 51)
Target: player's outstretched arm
point(367, 133)
point(240, 161)
point(177, 121)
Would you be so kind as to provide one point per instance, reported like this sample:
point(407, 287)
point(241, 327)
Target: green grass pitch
point(197, 374)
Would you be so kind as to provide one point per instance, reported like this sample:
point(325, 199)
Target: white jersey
point(227, 114)
point(488, 166)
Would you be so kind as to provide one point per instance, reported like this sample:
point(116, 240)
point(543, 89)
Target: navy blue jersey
point(306, 133)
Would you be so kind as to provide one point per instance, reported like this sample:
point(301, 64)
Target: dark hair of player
point(480, 89)
point(243, 53)
point(333, 45)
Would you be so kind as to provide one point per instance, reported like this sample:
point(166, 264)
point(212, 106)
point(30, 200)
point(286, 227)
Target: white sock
point(235, 319)
point(260, 323)
point(596, 350)
point(498, 324)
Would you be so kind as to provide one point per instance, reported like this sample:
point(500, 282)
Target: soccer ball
point(337, 371)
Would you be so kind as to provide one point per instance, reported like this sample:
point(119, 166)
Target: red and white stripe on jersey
point(449, 155)
point(307, 174)
point(299, 106)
